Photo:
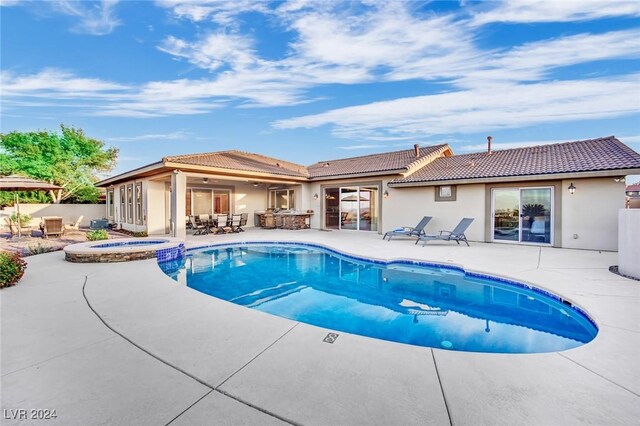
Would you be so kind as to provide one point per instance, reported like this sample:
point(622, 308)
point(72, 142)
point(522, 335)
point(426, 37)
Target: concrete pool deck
point(124, 344)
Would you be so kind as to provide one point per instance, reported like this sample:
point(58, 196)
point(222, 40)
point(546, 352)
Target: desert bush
point(140, 234)
point(11, 268)
point(39, 249)
point(25, 219)
point(97, 235)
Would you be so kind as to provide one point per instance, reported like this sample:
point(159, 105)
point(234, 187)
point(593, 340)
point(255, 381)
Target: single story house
point(561, 195)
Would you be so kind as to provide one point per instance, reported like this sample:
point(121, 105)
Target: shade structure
point(21, 183)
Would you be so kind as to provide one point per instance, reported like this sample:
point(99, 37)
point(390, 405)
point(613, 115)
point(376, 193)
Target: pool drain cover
point(331, 337)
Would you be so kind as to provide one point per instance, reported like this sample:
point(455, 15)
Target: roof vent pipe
point(489, 139)
point(416, 149)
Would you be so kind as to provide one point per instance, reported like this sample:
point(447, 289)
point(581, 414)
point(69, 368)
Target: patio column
point(178, 204)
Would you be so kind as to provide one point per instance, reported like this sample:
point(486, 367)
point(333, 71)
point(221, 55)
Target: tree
point(68, 159)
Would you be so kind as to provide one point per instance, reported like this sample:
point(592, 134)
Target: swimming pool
point(409, 302)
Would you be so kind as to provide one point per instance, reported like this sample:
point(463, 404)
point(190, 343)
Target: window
point(282, 199)
point(123, 204)
point(139, 218)
point(110, 204)
point(208, 201)
point(445, 193)
point(130, 203)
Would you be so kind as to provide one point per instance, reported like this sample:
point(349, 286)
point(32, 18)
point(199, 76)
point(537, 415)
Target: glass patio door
point(523, 215)
point(349, 208)
point(352, 207)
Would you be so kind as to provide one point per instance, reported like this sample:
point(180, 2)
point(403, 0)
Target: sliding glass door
point(523, 215)
point(352, 207)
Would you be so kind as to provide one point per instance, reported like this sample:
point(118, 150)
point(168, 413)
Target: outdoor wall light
point(386, 194)
point(315, 196)
point(572, 188)
point(205, 180)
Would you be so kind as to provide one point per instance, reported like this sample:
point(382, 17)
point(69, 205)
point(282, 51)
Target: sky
point(308, 81)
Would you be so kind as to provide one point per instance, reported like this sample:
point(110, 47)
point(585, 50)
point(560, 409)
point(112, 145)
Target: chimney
point(489, 139)
point(416, 149)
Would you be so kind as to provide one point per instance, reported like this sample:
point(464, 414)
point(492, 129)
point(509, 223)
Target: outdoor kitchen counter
point(292, 220)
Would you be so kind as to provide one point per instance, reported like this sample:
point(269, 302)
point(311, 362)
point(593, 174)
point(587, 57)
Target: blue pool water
point(434, 306)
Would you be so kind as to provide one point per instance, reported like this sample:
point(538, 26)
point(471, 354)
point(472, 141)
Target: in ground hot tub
point(124, 250)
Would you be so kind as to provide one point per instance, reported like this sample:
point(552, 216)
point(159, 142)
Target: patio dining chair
point(243, 222)
point(199, 227)
point(236, 219)
point(456, 235)
point(408, 231)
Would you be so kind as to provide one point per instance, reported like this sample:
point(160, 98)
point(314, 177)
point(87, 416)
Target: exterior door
point(522, 215)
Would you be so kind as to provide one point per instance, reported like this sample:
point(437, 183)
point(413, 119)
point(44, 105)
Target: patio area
point(124, 344)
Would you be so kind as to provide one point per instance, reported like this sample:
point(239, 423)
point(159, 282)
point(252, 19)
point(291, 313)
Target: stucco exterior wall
point(629, 242)
point(156, 209)
point(248, 199)
point(590, 215)
point(406, 206)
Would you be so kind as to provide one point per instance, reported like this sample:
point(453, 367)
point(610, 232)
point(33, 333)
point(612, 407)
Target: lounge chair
point(52, 226)
point(456, 235)
point(408, 231)
point(74, 226)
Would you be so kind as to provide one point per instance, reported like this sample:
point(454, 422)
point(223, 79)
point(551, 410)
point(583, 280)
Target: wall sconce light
point(205, 180)
point(386, 194)
point(255, 184)
point(619, 179)
point(315, 196)
point(572, 188)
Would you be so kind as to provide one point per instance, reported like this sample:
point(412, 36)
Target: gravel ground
point(27, 244)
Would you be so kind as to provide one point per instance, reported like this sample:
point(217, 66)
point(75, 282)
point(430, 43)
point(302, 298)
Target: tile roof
point(606, 153)
point(633, 187)
point(386, 161)
point(240, 160)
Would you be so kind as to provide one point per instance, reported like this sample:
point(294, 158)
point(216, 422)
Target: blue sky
point(307, 80)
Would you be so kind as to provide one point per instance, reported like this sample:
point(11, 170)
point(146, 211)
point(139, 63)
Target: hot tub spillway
point(125, 250)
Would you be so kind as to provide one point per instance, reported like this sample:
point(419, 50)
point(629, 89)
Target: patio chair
point(243, 222)
point(456, 235)
point(52, 227)
point(408, 231)
point(235, 223)
point(199, 227)
point(223, 223)
point(74, 226)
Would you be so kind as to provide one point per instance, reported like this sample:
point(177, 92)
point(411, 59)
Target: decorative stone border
point(125, 250)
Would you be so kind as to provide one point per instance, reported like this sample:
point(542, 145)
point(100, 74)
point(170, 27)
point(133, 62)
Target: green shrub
point(39, 249)
point(98, 234)
point(140, 234)
point(25, 219)
point(11, 268)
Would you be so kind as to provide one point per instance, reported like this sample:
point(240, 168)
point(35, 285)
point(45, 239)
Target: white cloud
point(480, 109)
point(529, 11)
point(8, 3)
point(222, 12)
point(93, 18)
point(363, 146)
point(151, 137)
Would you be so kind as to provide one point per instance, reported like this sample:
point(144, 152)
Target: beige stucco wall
point(69, 212)
point(155, 201)
point(248, 199)
point(591, 213)
point(629, 242)
point(406, 206)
